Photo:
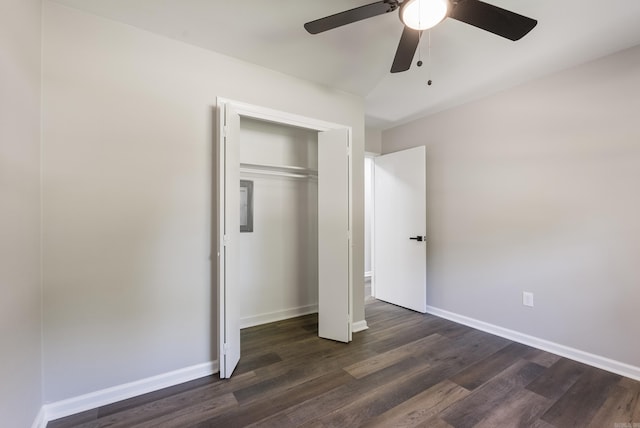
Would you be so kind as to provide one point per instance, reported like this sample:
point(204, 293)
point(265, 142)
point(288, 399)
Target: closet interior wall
point(279, 259)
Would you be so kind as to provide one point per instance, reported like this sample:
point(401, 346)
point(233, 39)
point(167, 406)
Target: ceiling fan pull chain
point(429, 81)
point(419, 63)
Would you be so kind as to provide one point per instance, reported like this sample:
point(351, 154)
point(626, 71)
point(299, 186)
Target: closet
point(297, 255)
point(279, 257)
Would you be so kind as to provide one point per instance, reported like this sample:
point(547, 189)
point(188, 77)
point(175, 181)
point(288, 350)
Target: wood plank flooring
point(406, 370)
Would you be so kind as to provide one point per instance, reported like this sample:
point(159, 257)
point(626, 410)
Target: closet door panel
point(333, 236)
point(229, 293)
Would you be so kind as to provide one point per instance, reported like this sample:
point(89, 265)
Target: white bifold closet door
point(334, 240)
point(334, 237)
point(229, 235)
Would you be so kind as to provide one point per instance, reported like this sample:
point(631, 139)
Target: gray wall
point(537, 189)
point(20, 291)
point(373, 140)
point(128, 134)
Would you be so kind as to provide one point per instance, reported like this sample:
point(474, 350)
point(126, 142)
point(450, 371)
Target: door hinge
point(225, 240)
point(225, 129)
point(225, 348)
point(349, 235)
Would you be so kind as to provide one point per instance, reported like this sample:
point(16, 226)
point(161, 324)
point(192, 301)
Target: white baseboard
point(40, 421)
point(359, 326)
point(71, 406)
point(277, 316)
point(598, 361)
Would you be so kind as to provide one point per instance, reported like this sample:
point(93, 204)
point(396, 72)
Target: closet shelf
point(280, 170)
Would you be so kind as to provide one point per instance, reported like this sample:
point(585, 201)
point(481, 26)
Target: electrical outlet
point(527, 298)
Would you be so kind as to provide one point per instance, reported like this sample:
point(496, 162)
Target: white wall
point(128, 130)
point(20, 291)
point(279, 262)
point(536, 189)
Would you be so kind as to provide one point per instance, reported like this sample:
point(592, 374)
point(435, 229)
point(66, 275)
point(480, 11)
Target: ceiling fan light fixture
point(423, 14)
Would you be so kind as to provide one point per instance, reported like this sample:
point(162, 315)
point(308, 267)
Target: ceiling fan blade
point(406, 50)
point(350, 16)
point(492, 18)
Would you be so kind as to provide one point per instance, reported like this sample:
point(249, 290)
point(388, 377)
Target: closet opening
point(278, 275)
point(298, 257)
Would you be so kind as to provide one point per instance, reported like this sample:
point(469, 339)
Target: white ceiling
point(466, 63)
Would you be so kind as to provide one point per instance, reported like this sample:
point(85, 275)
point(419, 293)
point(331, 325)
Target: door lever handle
point(417, 238)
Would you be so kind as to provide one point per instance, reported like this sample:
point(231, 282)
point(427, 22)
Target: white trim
point(92, 400)
point(598, 361)
point(359, 326)
point(277, 315)
point(40, 421)
point(350, 231)
point(279, 117)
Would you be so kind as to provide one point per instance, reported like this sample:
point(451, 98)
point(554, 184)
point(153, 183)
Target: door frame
point(372, 220)
point(282, 118)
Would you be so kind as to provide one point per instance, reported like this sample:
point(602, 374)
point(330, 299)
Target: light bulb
point(423, 14)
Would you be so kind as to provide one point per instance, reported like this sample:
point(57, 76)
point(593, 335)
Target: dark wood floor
point(407, 370)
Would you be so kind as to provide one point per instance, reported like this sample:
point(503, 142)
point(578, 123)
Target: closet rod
point(275, 173)
point(296, 171)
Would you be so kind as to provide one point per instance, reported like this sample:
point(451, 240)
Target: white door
point(228, 240)
point(334, 252)
point(400, 258)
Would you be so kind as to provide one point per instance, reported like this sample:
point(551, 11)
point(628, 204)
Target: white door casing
point(400, 214)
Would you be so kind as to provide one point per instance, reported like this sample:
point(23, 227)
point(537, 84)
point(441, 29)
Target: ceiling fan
point(420, 15)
